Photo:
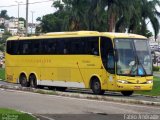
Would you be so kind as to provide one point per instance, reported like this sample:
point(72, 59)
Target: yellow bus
point(84, 59)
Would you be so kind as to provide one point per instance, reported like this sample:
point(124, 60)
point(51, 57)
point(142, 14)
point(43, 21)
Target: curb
point(79, 95)
point(107, 98)
point(29, 114)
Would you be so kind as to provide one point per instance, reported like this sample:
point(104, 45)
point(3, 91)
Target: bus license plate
point(137, 87)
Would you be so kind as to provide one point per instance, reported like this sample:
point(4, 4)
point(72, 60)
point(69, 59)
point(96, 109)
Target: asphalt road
point(107, 93)
point(50, 107)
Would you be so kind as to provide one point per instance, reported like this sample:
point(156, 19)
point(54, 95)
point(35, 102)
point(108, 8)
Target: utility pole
point(32, 23)
point(18, 14)
point(26, 17)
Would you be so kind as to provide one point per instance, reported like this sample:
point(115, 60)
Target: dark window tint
point(57, 46)
point(29, 47)
point(12, 47)
point(107, 54)
point(84, 45)
point(48, 46)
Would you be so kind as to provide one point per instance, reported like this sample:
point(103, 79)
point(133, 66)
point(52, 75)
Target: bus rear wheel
point(127, 93)
point(96, 87)
point(33, 81)
point(23, 80)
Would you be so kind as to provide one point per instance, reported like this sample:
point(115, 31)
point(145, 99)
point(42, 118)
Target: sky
point(39, 9)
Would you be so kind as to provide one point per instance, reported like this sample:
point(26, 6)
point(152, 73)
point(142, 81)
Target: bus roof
point(59, 35)
point(121, 35)
point(79, 34)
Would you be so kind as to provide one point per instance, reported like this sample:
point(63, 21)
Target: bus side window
point(13, 47)
point(77, 46)
point(92, 46)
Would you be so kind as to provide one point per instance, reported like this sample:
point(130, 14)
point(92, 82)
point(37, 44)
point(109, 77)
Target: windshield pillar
point(107, 55)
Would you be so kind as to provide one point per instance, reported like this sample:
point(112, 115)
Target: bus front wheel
point(23, 80)
point(33, 81)
point(127, 93)
point(96, 87)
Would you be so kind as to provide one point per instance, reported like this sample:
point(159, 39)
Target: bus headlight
point(122, 81)
point(149, 81)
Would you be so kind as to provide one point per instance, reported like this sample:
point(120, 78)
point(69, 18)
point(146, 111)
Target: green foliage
point(2, 74)
point(155, 68)
point(3, 14)
point(6, 35)
point(51, 23)
point(2, 47)
point(22, 19)
point(103, 15)
point(14, 115)
point(2, 26)
point(75, 15)
point(3, 40)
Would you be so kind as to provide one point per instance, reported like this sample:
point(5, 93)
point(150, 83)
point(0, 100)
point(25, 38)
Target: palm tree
point(109, 15)
point(117, 10)
point(145, 13)
point(75, 18)
point(96, 16)
point(149, 11)
point(135, 17)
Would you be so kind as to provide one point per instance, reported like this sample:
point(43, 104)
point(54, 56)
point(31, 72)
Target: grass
point(2, 74)
point(11, 114)
point(156, 88)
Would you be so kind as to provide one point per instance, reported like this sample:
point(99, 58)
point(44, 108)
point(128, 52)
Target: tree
point(75, 14)
point(96, 15)
point(3, 14)
point(2, 26)
point(103, 15)
point(117, 11)
point(51, 23)
point(22, 19)
point(146, 11)
point(3, 41)
point(6, 35)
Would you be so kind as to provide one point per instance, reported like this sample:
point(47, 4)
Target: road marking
point(48, 118)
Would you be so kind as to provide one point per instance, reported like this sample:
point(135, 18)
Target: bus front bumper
point(134, 87)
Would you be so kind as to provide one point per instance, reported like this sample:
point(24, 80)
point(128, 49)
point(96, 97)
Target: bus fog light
point(149, 81)
point(122, 81)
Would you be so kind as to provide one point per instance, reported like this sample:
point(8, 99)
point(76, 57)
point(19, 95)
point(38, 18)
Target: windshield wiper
point(139, 63)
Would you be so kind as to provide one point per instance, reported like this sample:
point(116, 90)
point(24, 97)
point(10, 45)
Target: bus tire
point(33, 81)
point(23, 80)
point(127, 93)
point(96, 86)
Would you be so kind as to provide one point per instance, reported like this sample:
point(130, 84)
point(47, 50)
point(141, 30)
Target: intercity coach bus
point(84, 59)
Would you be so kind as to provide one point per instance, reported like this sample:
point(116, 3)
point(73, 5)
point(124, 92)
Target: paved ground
point(50, 107)
point(111, 94)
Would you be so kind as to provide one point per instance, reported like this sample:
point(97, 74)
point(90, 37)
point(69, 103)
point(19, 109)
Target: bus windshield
point(133, 57)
